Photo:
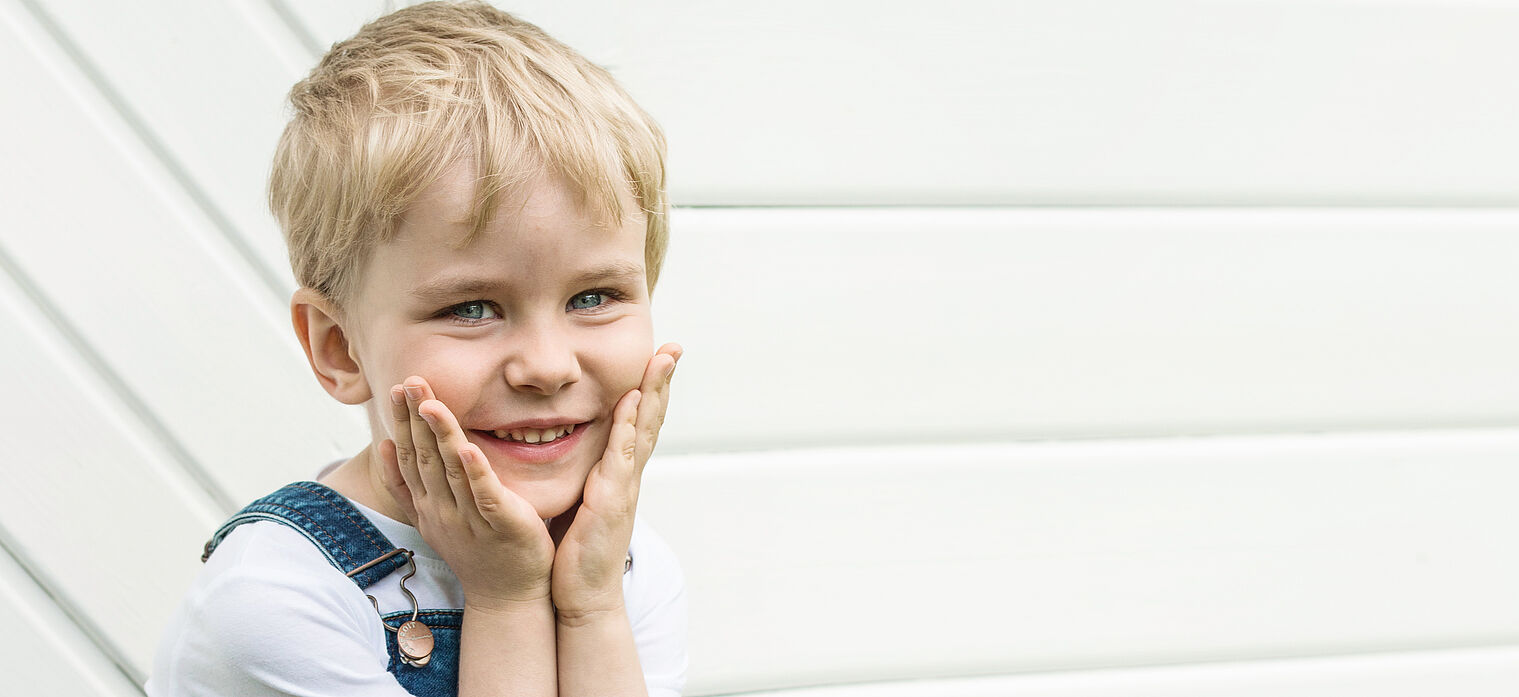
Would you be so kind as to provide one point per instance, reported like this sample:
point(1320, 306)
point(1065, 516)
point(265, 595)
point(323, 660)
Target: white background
point(1074, 348)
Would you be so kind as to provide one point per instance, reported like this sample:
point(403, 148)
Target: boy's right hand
point(491, 538)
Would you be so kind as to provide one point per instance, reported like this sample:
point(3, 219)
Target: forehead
point(454, 199)
point(541, 234)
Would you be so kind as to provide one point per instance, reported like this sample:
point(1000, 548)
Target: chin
point(556, 508)
point(549, 499)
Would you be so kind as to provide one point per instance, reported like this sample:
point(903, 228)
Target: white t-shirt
point(269, 615)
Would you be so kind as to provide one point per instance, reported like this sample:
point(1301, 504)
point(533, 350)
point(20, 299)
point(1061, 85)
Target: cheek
point(620, 358)
point(454, 369)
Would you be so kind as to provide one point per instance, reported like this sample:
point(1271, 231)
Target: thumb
point(390, 474)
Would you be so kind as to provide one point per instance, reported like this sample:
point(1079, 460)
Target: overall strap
point(347, 538)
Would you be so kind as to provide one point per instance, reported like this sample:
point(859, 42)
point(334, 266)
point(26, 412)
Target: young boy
point(476, 216)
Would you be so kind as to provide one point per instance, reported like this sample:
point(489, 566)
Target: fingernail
point(670, 370)
point(396, 397)
point(467, 456)
point(429, 418)
point(413, 392)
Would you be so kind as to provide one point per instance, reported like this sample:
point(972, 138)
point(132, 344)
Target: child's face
point(542, 322)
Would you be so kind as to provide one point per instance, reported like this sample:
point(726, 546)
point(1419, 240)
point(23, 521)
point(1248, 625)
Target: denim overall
point(350, 542)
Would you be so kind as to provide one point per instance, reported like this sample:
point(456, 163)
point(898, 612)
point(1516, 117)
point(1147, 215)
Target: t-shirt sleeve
point(275, 628)
point(655, 593)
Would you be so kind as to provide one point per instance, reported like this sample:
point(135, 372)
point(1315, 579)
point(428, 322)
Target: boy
point(476, 216)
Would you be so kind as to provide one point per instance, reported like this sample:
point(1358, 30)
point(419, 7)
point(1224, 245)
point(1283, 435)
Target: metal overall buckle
point(413, 637)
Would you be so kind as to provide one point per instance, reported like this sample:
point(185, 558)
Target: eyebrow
point(615, 271)
point(451, 287)
point(457, 286)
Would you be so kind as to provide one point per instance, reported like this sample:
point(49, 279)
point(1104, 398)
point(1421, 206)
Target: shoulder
point(265, 581)
point(267, 610)
point(266, 557)
point(654, 592)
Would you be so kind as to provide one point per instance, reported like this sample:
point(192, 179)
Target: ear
point(319, 327)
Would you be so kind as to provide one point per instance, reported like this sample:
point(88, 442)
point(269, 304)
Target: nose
point(543, 360)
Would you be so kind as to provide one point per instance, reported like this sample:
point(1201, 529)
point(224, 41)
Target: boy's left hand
point(593, 536)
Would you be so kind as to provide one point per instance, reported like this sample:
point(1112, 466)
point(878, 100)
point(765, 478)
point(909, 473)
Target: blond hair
point(388, 111)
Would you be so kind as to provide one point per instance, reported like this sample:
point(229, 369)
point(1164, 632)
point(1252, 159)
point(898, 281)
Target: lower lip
point(531, 453)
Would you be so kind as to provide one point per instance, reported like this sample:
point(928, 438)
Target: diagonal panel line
point(87, 626)
point(297, 28)
point(303, 34)
point(114, 382)
point(145, 417)
point(176, 171)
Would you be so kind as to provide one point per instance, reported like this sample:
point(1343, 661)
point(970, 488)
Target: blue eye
point(586, 301)
point(473, 310)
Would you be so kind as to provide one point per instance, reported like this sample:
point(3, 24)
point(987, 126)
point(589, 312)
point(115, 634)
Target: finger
point(618, 460)
point(612, 484)
point(429, 462)
point(400, 432)
point(390, 473)
point(501, 508)
point(651, 410)
point(451, 441)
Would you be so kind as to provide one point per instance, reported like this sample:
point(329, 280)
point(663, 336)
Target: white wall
point(1092, 346)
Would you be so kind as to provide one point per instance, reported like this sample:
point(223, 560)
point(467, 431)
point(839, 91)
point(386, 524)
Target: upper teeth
point(536, 435)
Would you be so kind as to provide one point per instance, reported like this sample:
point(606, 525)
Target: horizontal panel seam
point(1327, 657)
point(865, 443)
point(1242, 206)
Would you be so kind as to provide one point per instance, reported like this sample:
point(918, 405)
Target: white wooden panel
point(1484, 672)
point(831, 326)
point(42, 652)
point(1032, 101)
point(205, 82)
point(332, 21)
point(836, 566)
point(133, 267)
point(97, 508)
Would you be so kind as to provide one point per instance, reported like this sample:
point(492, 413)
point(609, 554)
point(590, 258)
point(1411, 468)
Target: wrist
point(576, 601)
point(508, 604)
point(589, 616)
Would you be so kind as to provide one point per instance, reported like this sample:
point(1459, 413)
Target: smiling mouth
point(535, 436)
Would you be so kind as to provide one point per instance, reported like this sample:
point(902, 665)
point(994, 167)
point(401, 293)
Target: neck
point(361, 479)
